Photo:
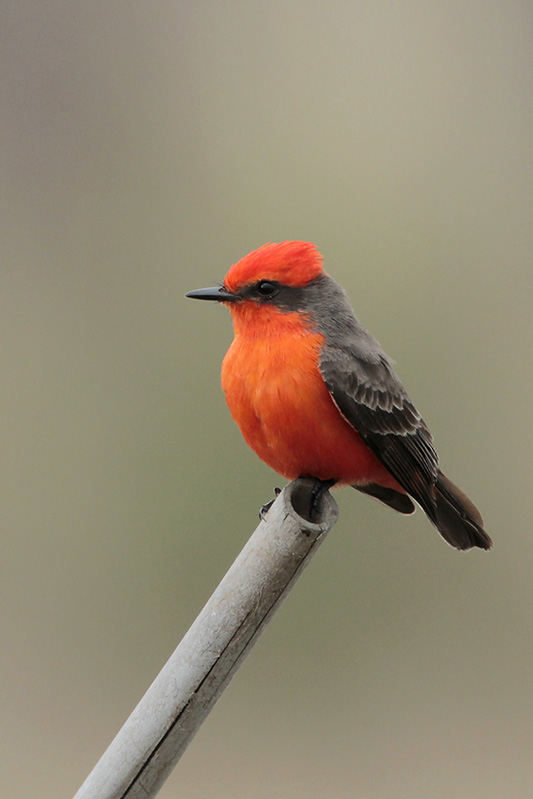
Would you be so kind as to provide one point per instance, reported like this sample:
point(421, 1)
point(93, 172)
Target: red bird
point(314, 394)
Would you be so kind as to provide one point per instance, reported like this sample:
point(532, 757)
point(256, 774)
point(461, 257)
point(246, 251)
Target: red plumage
point(278, 398)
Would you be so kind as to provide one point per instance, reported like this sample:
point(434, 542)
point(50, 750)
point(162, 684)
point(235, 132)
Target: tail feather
point(456, 517)
point(400, 502)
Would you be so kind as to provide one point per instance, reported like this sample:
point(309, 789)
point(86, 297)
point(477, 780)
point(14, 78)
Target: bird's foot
point(319, 489)
point(266, 507)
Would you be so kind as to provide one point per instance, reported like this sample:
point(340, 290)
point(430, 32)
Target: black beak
point(217, 293)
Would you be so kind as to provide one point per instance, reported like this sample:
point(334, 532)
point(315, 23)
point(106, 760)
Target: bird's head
point(272, 277)
point(290, 263)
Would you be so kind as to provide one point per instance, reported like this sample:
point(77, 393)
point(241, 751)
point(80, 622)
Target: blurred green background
point(146, 146)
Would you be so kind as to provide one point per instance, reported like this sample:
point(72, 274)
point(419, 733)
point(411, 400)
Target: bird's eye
point(266, 288)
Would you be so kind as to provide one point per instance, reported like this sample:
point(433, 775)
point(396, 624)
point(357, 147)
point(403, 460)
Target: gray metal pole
point(150, 743)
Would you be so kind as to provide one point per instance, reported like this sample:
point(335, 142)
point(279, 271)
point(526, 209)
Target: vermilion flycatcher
point(315, 395)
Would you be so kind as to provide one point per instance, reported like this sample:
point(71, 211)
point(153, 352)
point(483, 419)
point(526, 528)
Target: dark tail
point(400, 502)
point(456, 517)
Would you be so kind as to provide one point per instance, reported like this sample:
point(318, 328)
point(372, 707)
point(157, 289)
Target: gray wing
point(372, 399)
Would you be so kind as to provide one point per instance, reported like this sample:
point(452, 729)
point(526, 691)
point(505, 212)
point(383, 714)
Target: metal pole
point(152, 740)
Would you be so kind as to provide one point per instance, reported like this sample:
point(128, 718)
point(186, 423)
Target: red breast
point(278, 398)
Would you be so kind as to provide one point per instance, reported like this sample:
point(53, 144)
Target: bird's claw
point(266, 507)
point(319, 489)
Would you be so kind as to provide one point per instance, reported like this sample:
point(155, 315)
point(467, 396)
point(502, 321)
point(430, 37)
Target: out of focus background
point(146, 146)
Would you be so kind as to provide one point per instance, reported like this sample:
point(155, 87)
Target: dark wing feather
point(372, 399)
point(362, 382)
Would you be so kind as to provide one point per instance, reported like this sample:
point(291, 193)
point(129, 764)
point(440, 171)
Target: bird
point(315, 394)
